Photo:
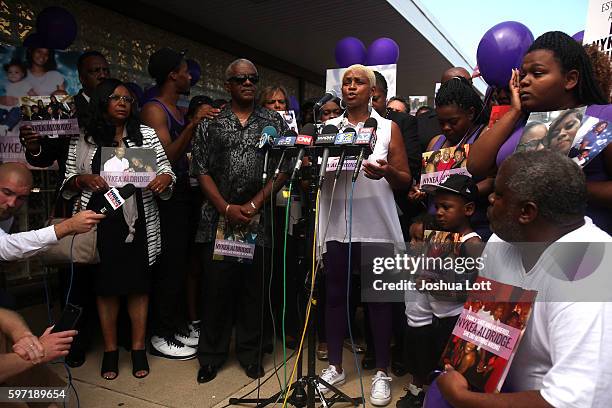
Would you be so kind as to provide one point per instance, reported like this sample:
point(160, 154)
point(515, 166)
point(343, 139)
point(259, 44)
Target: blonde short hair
point(362, 68)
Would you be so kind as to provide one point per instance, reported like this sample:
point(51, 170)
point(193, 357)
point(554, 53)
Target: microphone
point(327, 137)
point(114, 198)
point(343, 139)
point(286, 141)
point(364, 138)
point(265, 142)
point(329, 95)
point(306, 137)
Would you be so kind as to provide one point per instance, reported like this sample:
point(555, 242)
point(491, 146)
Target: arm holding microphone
point(395, 169)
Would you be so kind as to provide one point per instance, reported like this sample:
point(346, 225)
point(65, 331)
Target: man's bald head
point(15, 186)
point(456, 72)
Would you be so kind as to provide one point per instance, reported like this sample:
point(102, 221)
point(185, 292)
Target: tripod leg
point(338, 395)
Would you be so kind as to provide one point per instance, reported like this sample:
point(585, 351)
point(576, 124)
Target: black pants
point(177, 221)
point(231, 293)
point(426, 345)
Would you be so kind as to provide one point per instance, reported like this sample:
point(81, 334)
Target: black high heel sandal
point(110, 364)
point(139, 363)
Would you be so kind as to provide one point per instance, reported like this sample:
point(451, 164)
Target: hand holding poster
point(438, 165)
point(121, 166)
point(487, 334)
point(51, 116)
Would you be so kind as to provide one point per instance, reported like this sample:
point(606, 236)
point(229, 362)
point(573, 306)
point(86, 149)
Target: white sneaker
point(194, 329)
point(332, 377)
point(171, 348)
point(187, 340)
point(380, 394)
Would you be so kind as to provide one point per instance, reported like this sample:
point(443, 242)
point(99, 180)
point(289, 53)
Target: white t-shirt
point(116, 164)
point(45, 84)
point(18, 89)
point(565, 351)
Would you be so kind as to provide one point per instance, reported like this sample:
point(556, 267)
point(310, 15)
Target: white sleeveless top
point(375, 217)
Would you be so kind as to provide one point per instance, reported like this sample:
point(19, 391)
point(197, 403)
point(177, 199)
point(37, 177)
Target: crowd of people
point(157, 252)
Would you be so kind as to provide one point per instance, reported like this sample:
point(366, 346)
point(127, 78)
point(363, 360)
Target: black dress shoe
point(207, 373)
point(398, 369)
point(254, 371)
point(75, 357)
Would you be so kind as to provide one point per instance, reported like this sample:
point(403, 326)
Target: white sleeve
point(25, 244)
point(580, 335)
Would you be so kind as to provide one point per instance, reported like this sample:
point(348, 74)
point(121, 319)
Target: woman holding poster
point(129, 239)
point(374, 220)
point(556, 74)
point(42, 75)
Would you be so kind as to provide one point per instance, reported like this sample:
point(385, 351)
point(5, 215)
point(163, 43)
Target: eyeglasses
point(241, 79)
point(117, 98)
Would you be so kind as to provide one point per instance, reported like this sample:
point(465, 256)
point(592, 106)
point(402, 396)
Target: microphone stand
point(305, 388)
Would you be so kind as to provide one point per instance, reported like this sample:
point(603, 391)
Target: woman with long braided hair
point(556, 74)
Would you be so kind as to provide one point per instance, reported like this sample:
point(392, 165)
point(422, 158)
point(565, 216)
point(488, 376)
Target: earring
point(343, 107)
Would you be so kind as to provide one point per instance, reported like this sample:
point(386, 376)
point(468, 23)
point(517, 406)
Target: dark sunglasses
point(241, 79)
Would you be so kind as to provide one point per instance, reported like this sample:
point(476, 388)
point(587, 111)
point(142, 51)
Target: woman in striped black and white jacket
point(129, 239)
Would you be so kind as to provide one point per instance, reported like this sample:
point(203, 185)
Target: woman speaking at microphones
point(374, 221)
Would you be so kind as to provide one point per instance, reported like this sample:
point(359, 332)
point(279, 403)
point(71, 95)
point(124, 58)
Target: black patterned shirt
point(228, 152)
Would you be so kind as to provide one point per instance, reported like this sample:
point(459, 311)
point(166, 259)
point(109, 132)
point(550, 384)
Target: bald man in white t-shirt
point(563, 359)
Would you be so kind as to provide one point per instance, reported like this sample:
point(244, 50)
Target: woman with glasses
point(129, 238)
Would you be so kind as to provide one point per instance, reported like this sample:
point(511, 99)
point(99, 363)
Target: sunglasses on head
point(241, 79)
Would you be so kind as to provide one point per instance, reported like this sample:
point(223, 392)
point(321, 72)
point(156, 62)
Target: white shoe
point(187, 340)
point(380, 394)
point(331, 376)
point(171, 348)
point(194, 329)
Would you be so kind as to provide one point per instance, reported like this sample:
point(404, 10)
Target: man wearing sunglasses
point(229, 166)
point(93, 68)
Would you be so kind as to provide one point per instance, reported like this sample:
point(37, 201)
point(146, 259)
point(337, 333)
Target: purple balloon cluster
point(56, 28)
point(351, 50)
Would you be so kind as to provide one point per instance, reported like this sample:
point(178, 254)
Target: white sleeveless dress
point(375, 217)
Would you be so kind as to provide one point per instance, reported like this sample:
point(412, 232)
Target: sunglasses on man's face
point(241, 79)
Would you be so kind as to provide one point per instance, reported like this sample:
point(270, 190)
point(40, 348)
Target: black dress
point(124, 267)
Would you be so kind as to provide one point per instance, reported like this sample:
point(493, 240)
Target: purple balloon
point(382, 51)
point(501, 49)
point(194, 70)
point(58, 26)
point(34, 40)
point(136, 90)
point(349, 51)
point(150, 93)
point(579, 36)
point(434, 398)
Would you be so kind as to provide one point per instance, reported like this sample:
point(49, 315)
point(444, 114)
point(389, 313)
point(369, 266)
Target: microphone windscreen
point(329, 129)
point(349, 130)
point(370, 123)
point(309, 129)
point(269, 131)
point(127, 191)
